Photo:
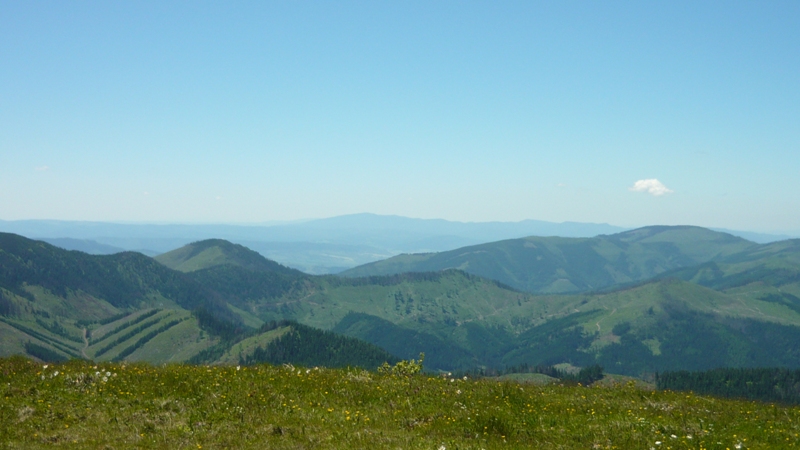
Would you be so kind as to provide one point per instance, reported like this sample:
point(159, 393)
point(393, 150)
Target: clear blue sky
point(474, 111)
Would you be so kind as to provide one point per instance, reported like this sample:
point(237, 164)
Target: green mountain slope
point(217, 252)
point(57, 305)
point(135, 309)
point(562, 265)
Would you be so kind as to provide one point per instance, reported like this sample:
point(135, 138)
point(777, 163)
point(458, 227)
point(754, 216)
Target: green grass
point(83, 405)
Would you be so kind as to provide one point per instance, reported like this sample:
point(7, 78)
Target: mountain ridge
point(564, 265)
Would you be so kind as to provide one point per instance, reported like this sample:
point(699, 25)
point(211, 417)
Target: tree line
point(764, 384)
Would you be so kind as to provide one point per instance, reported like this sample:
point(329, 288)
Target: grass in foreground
point(114, 406)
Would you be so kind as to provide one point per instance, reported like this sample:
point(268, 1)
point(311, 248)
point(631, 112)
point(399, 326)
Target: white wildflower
point(105, 379)
point(45, 366)
point(108, 374)
point(238, 367)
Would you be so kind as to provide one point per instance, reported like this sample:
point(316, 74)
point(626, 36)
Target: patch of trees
point(309, 346)
point(106, 321)
point(210, 321)
point(43, 353)
point(125, 325)
point(584, 376)
point(411, 277)
point(764, 384)
point(145, 339)
point(44, 338)
point(7, 307)
point(406, 343)
point(790, 301)
point(129, 334)
point(57, 328)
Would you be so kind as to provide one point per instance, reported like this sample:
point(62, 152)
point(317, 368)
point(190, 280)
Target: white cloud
point(651, 186)
point(41, 168)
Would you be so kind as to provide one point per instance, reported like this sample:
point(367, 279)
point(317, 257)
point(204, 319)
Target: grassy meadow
point(89, 405)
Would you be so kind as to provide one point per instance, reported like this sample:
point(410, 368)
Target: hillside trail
point(85, 344)
point(601, 319)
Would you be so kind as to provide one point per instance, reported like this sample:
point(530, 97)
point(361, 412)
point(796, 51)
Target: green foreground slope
point(88, 406)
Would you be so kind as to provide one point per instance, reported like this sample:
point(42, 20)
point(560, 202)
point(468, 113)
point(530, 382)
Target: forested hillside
point(568, 265)
point(133, 308)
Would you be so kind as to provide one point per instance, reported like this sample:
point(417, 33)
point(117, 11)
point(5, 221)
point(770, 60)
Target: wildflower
point(658, 442)
point(673, 436)
point(442, 447)
point(108, 374)
point(45, 366)
point(238, 367)
point(465, 378)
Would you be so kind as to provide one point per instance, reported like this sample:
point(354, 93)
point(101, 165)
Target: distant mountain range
point(561, 265)
point(656, 298)
point(317, 246)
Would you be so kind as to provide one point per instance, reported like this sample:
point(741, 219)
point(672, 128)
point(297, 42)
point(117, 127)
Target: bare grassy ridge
point(113, 406)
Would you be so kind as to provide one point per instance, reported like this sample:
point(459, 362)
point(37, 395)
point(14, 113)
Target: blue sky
point(471, 111)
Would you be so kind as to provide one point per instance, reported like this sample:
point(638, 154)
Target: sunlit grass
point(104, 405)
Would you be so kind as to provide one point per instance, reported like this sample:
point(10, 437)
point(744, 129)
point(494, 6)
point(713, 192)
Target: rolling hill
point(565, 265)
point(218, 252)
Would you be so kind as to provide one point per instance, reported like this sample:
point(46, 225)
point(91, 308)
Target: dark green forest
point(763, 384)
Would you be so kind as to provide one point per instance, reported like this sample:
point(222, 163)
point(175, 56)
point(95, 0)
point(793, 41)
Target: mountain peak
point(216, 252)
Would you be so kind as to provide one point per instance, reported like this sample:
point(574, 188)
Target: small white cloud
point(219, 197)
point(41, 168)
point(561, 185)
point(651, 186)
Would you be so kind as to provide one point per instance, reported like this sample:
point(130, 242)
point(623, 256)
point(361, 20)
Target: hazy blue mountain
point(319, 246)
point(83, 245)
point(760, 238)
point(315, 246)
